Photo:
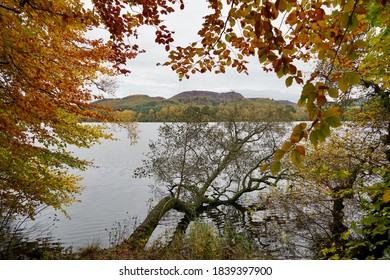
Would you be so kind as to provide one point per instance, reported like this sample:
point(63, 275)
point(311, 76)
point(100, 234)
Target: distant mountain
point(142, 103)
point(288, 102)
point(198, 94)
point(204, 98)
point(130, 102)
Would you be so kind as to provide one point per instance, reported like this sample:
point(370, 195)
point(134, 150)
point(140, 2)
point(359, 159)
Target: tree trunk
point(142, 233)
point(337, 226)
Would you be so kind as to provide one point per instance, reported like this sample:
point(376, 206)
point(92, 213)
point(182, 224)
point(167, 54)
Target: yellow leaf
point(281, 5)
point(343, 83)
point(331, 112)
point(309, 91)
point(303, 125)
point(264, 167)
point(354, 23)
point(386, 196)
point(275, 167)
point(279, 154)
point(344, 20)
point(296, 135)
point(322, 54)
point(349, 6)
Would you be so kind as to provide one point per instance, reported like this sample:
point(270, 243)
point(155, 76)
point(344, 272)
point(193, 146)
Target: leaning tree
point(201, 165)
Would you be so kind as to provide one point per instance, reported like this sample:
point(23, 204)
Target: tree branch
point(10, 9)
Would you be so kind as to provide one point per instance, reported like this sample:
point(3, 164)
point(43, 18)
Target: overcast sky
point(147, 78)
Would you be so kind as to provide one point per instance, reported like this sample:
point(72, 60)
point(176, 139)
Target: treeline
point(259, 110)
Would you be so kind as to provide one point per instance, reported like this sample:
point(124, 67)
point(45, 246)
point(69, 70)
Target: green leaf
point(320, 136)
point(314, 138)
point(279, 154)
point(286, 146)
point(280, 73)
point(353, 78)
point(352, 56)
point(289, 81)
point(275, 167)
point(354, 23)
point(309, 90)
point(326, 130)
point(296, 158)
point(343, 83)
point(345, 235)
point(334, 93)
point(344, 20)
point(333, 121)
point(302, 101)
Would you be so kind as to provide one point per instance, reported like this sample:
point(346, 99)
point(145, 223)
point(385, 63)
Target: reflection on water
point(110, 194)
point(113, 199)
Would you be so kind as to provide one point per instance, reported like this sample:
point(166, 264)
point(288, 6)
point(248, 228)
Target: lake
point(111, 194)
point(112, 198)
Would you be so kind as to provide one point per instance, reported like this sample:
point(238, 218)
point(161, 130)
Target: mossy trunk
point(142, 233)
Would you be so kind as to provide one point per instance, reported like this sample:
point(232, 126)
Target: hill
point(131, 102)
point(199, 105)
point(198, 97)
point(141, 102)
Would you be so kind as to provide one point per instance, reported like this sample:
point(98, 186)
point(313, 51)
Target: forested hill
point(141, 102)
point(205, 97)
point(202, 105)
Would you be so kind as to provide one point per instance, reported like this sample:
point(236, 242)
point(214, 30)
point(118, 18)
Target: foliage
point(47, 67)
point(349, 38)
point(372, 231)
point(143, 108)
point(326, 201)
point(203, 243)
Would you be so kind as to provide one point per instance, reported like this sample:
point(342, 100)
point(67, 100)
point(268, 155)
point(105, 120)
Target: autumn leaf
point(279, 154)
point(386, 196)
point(275, 167)
point(264, 167)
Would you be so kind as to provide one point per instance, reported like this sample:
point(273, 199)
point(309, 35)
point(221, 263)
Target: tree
point(47, 64)
point(350, 35)
point(200, 165)
point(333, 202)
point(47, 68)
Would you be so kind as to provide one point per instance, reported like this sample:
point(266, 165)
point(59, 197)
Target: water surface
point(111, 194)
